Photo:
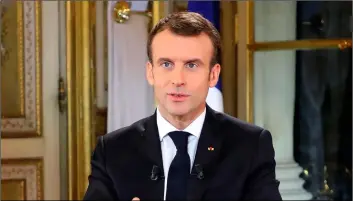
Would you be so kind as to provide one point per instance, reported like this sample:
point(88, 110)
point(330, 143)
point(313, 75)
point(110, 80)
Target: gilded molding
point(80, 108)
point(250, 25)
point(228, 60)
point(105, 32)
point(158, 11)
point(28, 169)
point(301, 44)
point(13, 189)
point(30, 124)
point(11, 56)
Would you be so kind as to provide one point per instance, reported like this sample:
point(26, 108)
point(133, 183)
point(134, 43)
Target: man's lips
point(178, 94)
point(178, 97)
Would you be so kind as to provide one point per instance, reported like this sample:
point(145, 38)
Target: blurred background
point(74, 70)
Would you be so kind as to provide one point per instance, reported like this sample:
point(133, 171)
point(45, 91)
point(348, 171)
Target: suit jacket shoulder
point(238, 130)
point(127, 132)
point(246, 155)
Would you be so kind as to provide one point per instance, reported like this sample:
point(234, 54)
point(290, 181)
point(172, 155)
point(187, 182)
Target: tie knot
point(180, 139)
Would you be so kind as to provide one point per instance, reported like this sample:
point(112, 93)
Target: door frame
point(79, 80)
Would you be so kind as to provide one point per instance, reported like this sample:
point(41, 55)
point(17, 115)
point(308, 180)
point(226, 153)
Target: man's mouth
point(178, 97)
point(178, 94)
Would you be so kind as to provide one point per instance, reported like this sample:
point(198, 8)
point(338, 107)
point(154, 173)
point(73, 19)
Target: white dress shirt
point(167, 144)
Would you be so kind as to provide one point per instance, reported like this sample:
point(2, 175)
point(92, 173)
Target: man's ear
point(214, 75)
point(149, 73)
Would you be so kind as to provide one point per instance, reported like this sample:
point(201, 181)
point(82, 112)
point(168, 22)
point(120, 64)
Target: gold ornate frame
point(228, 57)
point(80, 102)
point(26, 177)
point(247, 46)
point(29, 122)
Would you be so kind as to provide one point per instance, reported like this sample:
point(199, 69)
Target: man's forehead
point(178, 58)
point(172, 47)
point(168, 37)
point(181, 45)
point(179, 54)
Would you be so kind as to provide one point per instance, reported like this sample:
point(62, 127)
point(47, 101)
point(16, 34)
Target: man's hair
point(187, 24)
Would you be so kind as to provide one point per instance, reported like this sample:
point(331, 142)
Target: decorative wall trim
point(27, 170)
point(29, 125)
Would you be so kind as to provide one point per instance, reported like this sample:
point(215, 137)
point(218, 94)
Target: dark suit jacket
point(241, 166)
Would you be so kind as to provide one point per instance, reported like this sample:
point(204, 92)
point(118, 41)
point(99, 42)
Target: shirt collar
point(164, 127)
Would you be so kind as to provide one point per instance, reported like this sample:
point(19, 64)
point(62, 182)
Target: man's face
point(181, 73)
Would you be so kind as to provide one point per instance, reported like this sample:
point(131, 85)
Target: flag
point(130, 98)
point(210, 10)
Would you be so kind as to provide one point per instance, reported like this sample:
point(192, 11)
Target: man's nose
point(178, 77)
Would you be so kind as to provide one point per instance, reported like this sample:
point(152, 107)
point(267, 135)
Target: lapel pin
point(210, 149)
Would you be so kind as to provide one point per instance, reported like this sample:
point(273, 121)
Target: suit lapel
point(208, 150)
point(150, 146)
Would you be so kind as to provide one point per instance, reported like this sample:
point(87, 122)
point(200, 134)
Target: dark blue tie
point(179, 169)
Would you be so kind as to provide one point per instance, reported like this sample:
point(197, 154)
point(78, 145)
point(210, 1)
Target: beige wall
point(28, 159)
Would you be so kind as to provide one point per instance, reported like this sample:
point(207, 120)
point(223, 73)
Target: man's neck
point(182, 121)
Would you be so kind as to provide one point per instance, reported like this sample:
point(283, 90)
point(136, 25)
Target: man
point(185, 150)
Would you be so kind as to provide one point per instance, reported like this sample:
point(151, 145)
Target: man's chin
point(178, 110)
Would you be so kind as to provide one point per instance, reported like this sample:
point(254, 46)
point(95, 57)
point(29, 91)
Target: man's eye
point(191, 65)
point(166, 65)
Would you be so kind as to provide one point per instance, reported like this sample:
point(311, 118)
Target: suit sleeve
point(100, 185)
point(261, 183)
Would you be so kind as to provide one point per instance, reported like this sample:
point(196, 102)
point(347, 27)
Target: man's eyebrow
point(162, 59)
point(193, 60)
